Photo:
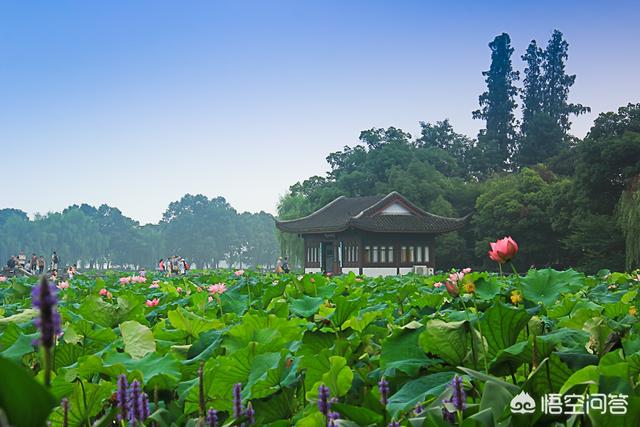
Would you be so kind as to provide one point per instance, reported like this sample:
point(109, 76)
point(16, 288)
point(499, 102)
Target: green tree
point(517, 205)
point(441, 137)
point(628, 213)
point(212, 220)
point(533, 91)
point(541, 136)
point(557, 83)
point(498, 140)
point(608, 159)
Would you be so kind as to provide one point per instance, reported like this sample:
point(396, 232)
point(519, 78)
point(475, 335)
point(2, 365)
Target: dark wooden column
point(360, 254)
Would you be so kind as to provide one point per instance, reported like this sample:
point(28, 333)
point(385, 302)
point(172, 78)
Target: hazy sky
point(134, 104)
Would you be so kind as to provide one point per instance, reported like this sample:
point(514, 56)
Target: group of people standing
point(173, 265)
point(35, 265)
point(282, 266)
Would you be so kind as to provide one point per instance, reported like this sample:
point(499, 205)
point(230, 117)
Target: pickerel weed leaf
point(25, 402)
point(362, 416)
point(496, 399)
point(550, 375)
point(417, 391)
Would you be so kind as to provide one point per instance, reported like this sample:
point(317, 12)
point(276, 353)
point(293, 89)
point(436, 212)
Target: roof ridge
point(389, 196)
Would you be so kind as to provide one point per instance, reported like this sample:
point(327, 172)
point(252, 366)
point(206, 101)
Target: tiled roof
point(364, 213)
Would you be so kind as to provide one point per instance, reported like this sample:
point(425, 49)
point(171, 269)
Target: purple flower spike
point(446, 415)
point(212, 418)
point(135, 402)
point(43, 297)
point(394, 424)
point(323, 399)
point(332, 417)
point(65, 412)
point(383, 387)
point(123, 397)
point(458, 398)
point(418, 409)
point(251, 414)
point(144, 414)
point(237, 400)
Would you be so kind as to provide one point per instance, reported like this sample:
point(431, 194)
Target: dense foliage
point(574, 201)
point(186, 342)
point(104, 236)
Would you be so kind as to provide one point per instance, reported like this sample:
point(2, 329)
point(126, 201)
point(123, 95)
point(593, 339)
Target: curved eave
point(290, 227)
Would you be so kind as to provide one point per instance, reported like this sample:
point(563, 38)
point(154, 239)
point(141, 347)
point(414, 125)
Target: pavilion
point(372, 235)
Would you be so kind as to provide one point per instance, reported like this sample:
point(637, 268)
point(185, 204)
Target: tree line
point(570, 202)
point(205, 231)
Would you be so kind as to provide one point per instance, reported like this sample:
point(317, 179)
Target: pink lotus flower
point(3, 279)
point(218, 288)
point(503, 250)
point(238, 273)
point(138, 279)
point(456, 277)
point(125, 280)
point(103, 292)
point(210, 298)
point(179, 290)
point(452, 288)
point(63, 285)
point(438, 285)
point(466, 270)
point(152, 302)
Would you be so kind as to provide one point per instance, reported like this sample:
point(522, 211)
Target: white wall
point(312, 270)
point(379, 271)
point(405, 270)
point(347, 270)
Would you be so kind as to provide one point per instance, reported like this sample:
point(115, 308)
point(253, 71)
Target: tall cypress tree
point(541, 136)
point(532, 95)
point(557, 83)
point(498, 140)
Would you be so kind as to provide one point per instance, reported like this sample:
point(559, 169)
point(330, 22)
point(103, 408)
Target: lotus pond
point(242, 348)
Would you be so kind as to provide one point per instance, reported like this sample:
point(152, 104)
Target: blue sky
point(136, 103)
